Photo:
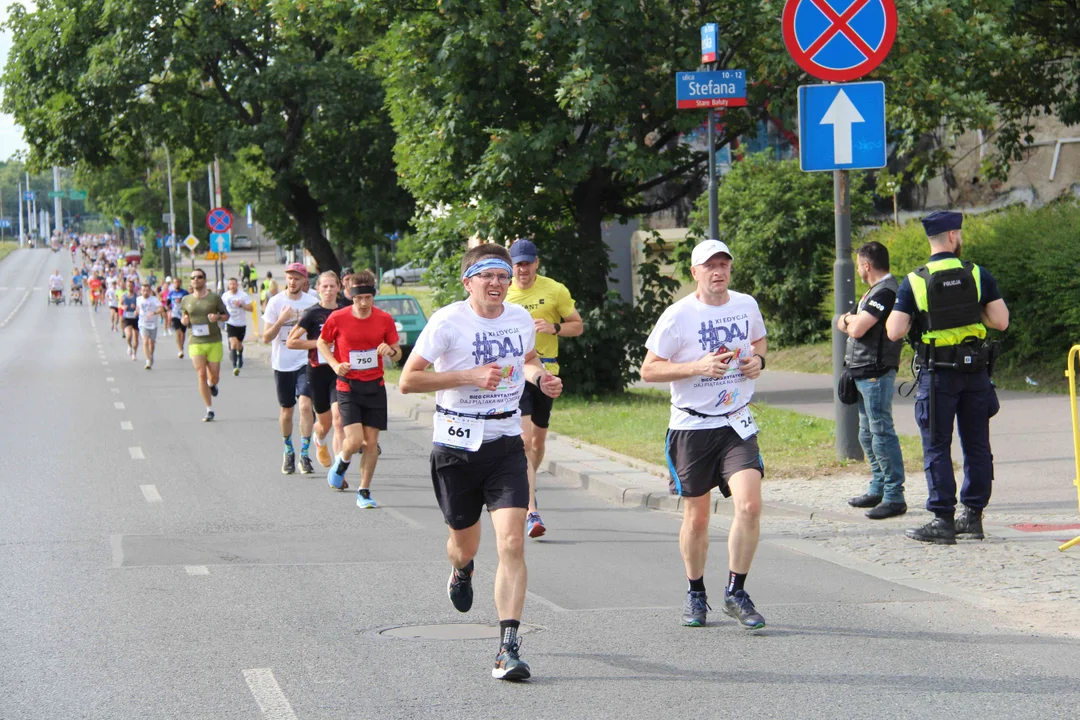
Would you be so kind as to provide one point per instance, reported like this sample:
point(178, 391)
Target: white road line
point(126, 425)
point(20, 288)
point(118, 405)
point(115, 390)
point(38, 288)
point(104, 363)
point(150, 493)
point(197, 569)
point(264, 686)
point(136, 453)
point(403, 518)
point(25, 297)
point(110, 379)
point(544, 601)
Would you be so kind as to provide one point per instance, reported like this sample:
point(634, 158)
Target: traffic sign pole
point(847, 416)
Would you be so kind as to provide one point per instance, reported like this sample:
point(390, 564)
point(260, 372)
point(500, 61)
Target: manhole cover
point(449, 631)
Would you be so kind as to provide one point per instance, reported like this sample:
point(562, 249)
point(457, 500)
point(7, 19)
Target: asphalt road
point(153, 566)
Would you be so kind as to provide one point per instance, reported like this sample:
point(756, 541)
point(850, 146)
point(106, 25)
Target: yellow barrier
point(1070, 372)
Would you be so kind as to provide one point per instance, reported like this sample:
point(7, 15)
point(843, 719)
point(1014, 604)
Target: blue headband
point(488, 263)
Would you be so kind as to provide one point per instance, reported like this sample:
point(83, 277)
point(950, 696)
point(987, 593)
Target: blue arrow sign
point(705, 89)
point(842, 127)
point(221, 242)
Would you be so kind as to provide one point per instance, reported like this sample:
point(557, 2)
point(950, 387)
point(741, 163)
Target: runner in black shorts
point(711, 346)
point(361, 335)
point(483, 351)
point(130, 317)
point(321, 376)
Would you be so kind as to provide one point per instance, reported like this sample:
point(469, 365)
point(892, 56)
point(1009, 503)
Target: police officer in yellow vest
point(951, 303)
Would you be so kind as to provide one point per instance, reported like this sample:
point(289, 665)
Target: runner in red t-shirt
point(95, 291)
point(361, 336)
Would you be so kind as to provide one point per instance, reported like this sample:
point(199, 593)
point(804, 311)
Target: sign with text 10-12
point(709, 34)
point(710, 89)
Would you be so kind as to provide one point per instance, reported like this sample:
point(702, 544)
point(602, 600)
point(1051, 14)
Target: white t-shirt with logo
point(689, 329)
point(456, 338)
point(149, 309)
point(235, 303)
point(282, 358)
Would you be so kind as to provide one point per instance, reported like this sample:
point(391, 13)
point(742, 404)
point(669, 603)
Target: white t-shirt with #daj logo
point(456, 338)
point(689, 329)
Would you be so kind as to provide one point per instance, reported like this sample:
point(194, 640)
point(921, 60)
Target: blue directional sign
point(29, 196)
point(842, 127)
point(709, 33)
point(5, 222)
point(116, 222)
point(221, 242)
point(706, 89)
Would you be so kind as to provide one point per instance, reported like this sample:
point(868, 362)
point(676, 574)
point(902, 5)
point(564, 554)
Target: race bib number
point(462, 433)
point(130, 314)
point(200, 330)
point(743, 422)
point(363, 359)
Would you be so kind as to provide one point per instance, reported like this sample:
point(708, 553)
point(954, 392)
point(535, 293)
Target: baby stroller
point(56, 296)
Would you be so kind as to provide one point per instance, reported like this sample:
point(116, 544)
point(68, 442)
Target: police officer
point(872, 359)
point(948, 304)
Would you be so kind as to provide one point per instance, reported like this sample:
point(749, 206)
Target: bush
point(779, 223)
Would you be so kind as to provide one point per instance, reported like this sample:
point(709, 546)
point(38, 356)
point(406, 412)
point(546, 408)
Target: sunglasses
point(198, 277)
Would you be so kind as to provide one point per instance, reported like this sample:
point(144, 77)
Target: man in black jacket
point(873, 359)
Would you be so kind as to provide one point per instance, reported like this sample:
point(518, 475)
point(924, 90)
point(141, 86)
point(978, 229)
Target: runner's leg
point(511, 575)
point(202, 370)
point(694, 534)
point(462, 545)
point(745, 488)
point(368, 459)
point(528, 431)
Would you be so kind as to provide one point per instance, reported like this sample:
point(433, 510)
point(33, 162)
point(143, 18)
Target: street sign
point(709, 89)
point(249, 219)
point(77, 194)
point(709, 33)
point(839, 45)
point(29, 196)
point(116, 222)
point(842, 127)
point(219, 220)
point(211, 255)
point(53, 194)
point(221, 242)
point(166, 217)
point(5, 222)
point(191, 242)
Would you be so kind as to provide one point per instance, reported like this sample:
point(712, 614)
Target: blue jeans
point(878, 437)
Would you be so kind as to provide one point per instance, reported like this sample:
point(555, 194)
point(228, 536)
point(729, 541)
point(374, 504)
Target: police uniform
point(945, 298)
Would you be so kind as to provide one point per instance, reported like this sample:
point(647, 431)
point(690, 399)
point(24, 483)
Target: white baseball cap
point(706, 249)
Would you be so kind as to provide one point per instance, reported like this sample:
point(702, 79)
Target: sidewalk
point(1020, 575)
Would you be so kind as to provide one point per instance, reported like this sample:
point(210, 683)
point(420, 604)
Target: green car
point(408, 315)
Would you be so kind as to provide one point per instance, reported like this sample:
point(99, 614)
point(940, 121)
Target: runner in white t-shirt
point(483, 352)
point(150, 311)
point(282, 313)
point(239, 304)
point(711, 346)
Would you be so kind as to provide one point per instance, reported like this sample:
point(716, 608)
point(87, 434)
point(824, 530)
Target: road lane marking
point(136, 453)
point(264, 686)
point(22, 302)
point(544, 601)
point(110, 379)
point(197, 569)
point(104, 364)
point(126, 425)
point(150, 493)
point(403, 518)
point(115, 390)
point(118, 405)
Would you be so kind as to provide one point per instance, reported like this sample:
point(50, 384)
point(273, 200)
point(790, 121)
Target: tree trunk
point(305, 209)
point(589, 251)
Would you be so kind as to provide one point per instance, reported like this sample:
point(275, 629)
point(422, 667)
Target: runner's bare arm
point(549, 384)
point(296, 341)
point(390, 350)
point(751, 366)
point(328, 354)
point(414, 378)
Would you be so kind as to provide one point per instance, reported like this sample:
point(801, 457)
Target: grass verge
point(6, 248)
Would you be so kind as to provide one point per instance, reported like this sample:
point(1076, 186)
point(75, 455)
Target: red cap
point(296, 268)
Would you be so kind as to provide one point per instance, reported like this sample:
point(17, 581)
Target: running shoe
point(696, 610)
point(459, 589)
point(508, 666)
point(180, 354)
point(235, 371)
point(288, 464)
point(209, 417)
point(305, 465)
point(335, 478)
point(147, 367)
point(213, 390)
point(323, 453)
point(739, 606)
point(534, 526)
point(365, 502)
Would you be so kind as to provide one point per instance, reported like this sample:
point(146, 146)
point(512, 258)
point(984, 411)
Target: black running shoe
point(459, 589)
point(288, 464)
point(305, 465)
point(209, 416)
point(508, 666)
point(213, 390)
point(739, 606)
point(938, 531)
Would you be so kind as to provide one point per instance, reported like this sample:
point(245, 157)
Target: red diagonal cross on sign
point(840, 25)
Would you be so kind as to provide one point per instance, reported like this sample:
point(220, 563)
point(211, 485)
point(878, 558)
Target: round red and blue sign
point(839, 40)
point(219, 220)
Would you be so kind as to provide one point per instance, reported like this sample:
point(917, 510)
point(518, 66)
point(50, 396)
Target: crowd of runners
point(492, 362)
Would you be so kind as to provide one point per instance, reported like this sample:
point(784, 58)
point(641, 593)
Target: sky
point(11, 135)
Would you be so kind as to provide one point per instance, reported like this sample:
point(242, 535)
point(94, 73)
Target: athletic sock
point(735, 581)
point(509, 630)
point(289, 446)
point(232, 355)
point(305, 444)
point(697, 585)
point(465, 572)
point(364, 493)
point(341, 466)
point(240, 359)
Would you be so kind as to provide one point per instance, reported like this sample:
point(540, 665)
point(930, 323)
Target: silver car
point(409, 272)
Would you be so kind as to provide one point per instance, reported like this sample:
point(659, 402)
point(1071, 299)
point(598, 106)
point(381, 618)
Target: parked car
point(408, 316)
point(241, 242)
point(409, 272)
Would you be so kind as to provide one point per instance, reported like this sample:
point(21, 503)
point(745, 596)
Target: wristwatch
point(558, 327)
point(762, 358)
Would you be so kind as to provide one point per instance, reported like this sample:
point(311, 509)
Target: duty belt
point(477, 416)
point(965, 357)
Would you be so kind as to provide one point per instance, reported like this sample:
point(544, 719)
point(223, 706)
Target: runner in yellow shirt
point(554, 316)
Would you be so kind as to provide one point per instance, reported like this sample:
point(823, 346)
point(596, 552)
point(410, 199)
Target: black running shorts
point(291, 384)
point(699, 460)
point(177, 324)
point(321, 380)
point(496, 475)
point(535, 404)
point(235, 331)
point(131, 323)
point(364, 403)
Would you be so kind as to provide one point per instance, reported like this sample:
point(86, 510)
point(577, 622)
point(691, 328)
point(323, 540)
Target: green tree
point(250, 79)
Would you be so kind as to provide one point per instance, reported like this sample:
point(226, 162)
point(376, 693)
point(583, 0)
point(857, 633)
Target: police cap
point(942, 221)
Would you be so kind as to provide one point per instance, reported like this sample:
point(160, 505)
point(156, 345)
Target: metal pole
point(217, 199)
point(18, 186)
point(172, 215)
point(57, 203)
point(847, 416)
point(1, 215)
point(190, 221)
point(714, 222)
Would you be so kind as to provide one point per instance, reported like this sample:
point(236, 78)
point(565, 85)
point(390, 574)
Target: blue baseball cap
point(523, 251)
point(942, 221)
